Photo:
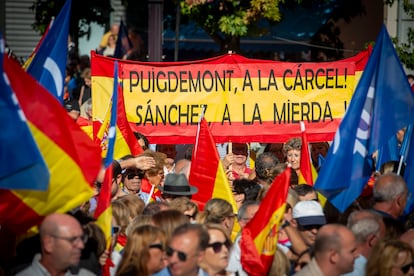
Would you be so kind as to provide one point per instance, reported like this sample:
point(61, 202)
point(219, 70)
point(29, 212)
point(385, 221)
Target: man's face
point(184, 245)
point(66, 246)
point(132, 180)
point(348, 252)
point(308, 233)
point(250, 212)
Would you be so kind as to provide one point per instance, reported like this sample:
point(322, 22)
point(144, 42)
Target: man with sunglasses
point(62, 240)
point(308, 217)
point(186, 250)
point(131, 179)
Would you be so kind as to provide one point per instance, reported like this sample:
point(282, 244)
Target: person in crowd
point(244, 190)
point(277, 150)
point(183, 166)
point(390, 196)
point(153, 177)
point(137, 222)
point(245, 214)
point(168, 220)
point(144, 252)
point(268, 177)
point(73, 109)
point(308, 217)
point(366, 227)
point(142, 140)
point(318, 152)
point(334, 252)
point(113, 31)
point(171, 152)
point(217, 254)
point(306, 192)
point(292, 150)
point(120, 213)
point(391, 257)
point(109, 49)
point(408, 237)
point(235, 161)
point(62, 240)
point(186, 250)
point(219, 211)
point(186, 206)
point(131, 180)
point(176, 185)
point(280, 264)
point(85, 91)
point(135, 205)
point(155, 206)
point(94, 247)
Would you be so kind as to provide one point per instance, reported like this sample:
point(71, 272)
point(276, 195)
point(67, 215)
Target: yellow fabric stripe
point(67, 187)
point(104, 221)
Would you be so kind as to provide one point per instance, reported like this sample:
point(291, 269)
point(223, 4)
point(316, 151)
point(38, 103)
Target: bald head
point(54, 224)
point(329, 237)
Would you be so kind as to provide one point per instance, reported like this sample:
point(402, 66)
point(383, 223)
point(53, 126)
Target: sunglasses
point(181, 255)
point(309, 227)
point(132, 174)
point(157, 246)
point(217, 246)
point(193, 216)
point(407, 267)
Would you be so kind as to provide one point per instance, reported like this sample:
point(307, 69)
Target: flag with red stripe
point(72, 158)
point(305, 161)
point(259, 237)
point(207, 172)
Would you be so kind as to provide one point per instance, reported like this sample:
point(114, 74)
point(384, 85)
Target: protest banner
point(246, 100)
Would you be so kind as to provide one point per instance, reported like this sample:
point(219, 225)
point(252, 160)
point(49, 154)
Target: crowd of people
point(157, 229)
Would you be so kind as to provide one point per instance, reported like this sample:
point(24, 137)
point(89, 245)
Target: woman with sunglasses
point(391, 258)
point(217, 254)
point(144, 252)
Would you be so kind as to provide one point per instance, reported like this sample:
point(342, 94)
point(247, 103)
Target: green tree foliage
point(228, 20)
point(405, 50)
point(83, 12)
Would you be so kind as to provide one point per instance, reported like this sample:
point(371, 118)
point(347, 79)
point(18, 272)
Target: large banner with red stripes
point(245, 100)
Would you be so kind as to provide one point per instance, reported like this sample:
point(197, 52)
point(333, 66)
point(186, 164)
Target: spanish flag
point(207, 172)
point(259, 237)
point(307, 172)
point(125, 143)
point(72, 158)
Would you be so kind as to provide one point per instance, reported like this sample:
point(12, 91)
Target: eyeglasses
point(116, 229)
point(73, 240)
point(407, 267)
point(132, 174)
point(217, 246)
point(157, 245)
point(181, 255)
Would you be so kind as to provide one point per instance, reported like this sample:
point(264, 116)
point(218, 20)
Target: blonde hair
point(120, 213)
point(215, 211)
point(384, 256)
point(136, 253)
point(134, 203)
point(183, 204)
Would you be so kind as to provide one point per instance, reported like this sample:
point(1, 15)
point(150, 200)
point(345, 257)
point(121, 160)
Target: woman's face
point(403, 264)
point(217, 254)
point(293, 158)
point(157, 179)
point(157, 258)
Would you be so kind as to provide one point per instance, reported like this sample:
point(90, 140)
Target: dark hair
point(304, 189)
point(264, 164)
point(139, 135)
point(247, 187)
point(116, 169)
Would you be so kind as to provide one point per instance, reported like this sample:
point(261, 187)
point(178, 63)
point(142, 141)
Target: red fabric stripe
point(204, 163)
point(15, 214)
point(104, 197)
point(124, 126)
point(45, 112)
point(267, 132)
point(305, 165)
point(274, 199)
